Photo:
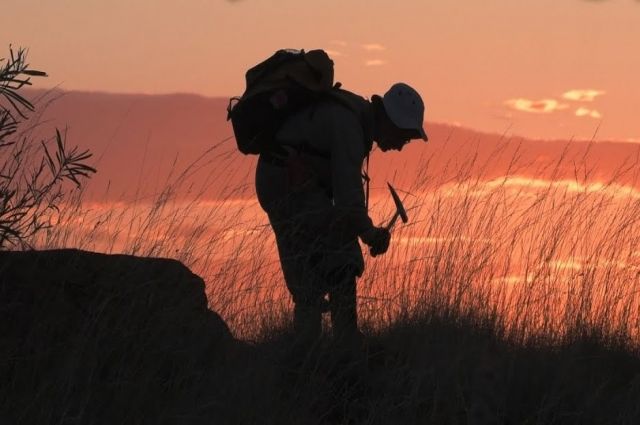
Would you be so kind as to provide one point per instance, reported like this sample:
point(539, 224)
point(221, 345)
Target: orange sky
point(543, 68)
point(553, 69)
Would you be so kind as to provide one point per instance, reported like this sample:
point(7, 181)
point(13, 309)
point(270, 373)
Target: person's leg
point(296, 218)
point(307, 308)
point(302, 282)
point(307, 323)
point(344, 316)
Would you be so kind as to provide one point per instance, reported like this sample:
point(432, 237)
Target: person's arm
point(347, 155)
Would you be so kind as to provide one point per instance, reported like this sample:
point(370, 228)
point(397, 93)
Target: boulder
point(95, 338)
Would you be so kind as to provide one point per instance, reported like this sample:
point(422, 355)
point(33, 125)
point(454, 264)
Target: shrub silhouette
point(32, 175)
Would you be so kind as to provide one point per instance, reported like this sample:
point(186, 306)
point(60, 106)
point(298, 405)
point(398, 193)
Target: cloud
point(543, 106)
point(583, 95)
point(584, 112)
point(340, 43)
point(375, 62)
point(373, 47)
point(616, 190)
point(334, 53)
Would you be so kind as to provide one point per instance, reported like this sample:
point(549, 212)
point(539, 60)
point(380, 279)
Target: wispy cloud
point(583, 95)
point(373, 47)
point(334, 53)
point(375, 62)
point(340, 43)
point(584, 112)
point(542, 106)
point(616, 190)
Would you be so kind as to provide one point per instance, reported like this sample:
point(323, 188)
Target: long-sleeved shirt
point(342, 135)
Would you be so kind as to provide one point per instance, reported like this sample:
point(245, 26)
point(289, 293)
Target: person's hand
point(378, 239)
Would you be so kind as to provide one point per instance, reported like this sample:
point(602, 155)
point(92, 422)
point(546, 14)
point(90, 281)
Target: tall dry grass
point(508, 299)
point(539, 258)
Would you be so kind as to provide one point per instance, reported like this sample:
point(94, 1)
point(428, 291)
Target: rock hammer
point(400, 211)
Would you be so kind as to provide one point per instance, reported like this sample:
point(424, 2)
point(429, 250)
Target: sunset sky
point(541, 69)
point(171, 182)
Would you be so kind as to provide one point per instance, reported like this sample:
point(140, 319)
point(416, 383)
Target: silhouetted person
point(313, 194)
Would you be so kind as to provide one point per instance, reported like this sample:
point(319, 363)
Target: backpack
point(276, 88)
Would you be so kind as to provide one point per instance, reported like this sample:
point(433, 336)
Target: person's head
point(398, 117)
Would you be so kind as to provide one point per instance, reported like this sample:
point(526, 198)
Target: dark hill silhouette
point(138, 139)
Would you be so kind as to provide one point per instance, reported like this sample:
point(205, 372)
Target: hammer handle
point(393, 221)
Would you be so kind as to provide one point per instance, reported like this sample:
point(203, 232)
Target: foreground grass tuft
point(445, 370)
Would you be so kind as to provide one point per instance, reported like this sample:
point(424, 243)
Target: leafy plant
point(32, 175)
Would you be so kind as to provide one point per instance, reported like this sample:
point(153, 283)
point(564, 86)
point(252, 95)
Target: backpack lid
point(312, 70)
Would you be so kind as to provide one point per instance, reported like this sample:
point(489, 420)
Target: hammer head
point(399, 207)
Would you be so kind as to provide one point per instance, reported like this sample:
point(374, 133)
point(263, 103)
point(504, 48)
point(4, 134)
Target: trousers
point(318, 256)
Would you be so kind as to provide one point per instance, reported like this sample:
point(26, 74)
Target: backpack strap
point(350, 101)
point(367, 180)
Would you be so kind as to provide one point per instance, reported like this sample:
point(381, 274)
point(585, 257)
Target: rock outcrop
point(94, 338)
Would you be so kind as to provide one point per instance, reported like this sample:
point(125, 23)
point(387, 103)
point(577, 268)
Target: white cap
point(405, 108)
